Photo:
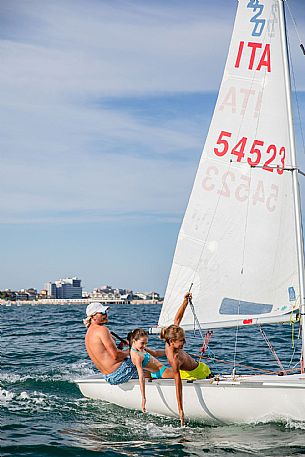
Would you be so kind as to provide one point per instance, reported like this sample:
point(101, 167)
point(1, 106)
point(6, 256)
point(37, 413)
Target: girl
point(183, 365)
point(145, 360)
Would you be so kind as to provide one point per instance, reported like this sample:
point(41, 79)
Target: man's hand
point(116, 354)
point(122, 344)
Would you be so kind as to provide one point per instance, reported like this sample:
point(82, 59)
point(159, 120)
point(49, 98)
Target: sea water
point(43, 413)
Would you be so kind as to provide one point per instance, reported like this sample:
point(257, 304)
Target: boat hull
point(248, 399)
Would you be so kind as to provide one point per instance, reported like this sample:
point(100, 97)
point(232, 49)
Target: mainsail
point(237, 243)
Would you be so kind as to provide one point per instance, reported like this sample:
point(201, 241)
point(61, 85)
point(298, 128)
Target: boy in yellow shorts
point(183, 365)
point(201, 372)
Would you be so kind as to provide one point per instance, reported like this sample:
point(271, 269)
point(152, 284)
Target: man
point(115, 364)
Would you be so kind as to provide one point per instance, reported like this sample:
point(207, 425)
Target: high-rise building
point(50, 287)
point(64, 288)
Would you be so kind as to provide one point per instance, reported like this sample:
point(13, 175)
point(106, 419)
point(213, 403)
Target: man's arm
point(182, 308)
point(116, 354)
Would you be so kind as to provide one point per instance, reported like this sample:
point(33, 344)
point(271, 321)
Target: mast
point(296, 189)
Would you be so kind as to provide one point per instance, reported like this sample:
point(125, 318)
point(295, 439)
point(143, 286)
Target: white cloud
point(114, 51)
point(62, 149)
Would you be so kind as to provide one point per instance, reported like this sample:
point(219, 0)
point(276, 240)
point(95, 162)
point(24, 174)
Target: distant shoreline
point(79, 301)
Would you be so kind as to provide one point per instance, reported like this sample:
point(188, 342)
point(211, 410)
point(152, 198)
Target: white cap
point(96, 307)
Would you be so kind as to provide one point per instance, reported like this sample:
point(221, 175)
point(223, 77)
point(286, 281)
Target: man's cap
point(96, 307)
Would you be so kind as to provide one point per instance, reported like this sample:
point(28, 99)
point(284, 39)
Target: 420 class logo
point(257, 20)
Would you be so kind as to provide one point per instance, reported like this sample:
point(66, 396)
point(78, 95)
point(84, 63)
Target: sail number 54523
point(274, 156)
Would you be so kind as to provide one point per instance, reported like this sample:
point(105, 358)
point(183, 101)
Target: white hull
point(248, 399)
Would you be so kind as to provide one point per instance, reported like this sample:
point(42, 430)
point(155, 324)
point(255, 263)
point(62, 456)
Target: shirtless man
point(183, 365)
point(115, 364)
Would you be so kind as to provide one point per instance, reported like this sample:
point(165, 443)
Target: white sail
point(240, 243)
point(237, 242)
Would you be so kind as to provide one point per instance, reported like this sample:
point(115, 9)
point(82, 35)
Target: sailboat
point(240, 246)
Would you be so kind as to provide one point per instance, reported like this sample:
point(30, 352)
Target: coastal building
point(43, 294)
point(154, 296)
point(106, 289)
point(22, 294)
point(50, 287)
point(19, 295)
point(147, 296)
point(64, 288)
point(141, 295)
point(99, 294)
point(27, 294)
point(68, 288)
point(108, 293)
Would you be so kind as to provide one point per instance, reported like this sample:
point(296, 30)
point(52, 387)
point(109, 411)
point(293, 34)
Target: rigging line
point(296, 96)
point(230, 362)
point(294, 367)
point(274, 167)
point(284, 169)
point(268, 342)
point(295, 27)
point(250, 367)
point(196, 318)
point(292, 356)
point(205, 339)
point(205, 347)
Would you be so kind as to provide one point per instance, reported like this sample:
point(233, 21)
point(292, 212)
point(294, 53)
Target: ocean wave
point(26, 401)
point(5, 396)
point(74, 371)
point(65, 373)
point(291, 424)
point(164, 431)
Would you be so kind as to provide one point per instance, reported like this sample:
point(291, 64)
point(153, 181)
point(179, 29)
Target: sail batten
point(237, 237)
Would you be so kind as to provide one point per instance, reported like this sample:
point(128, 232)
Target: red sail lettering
point(254, 47)
point(240, 51)
point(265, 59)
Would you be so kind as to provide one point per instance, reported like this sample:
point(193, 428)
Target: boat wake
point(37, 392)
point(292, 424)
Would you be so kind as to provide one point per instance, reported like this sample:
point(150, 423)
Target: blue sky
point(104, 110)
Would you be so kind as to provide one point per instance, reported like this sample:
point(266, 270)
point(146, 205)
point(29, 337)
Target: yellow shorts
point(201, 372)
